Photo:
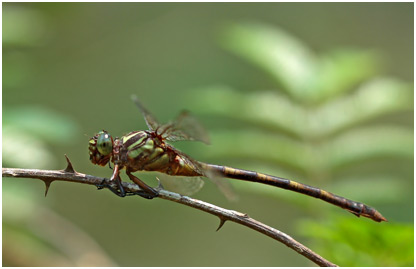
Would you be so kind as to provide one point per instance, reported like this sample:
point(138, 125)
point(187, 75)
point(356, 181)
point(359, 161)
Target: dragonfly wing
point(185, 127)
point(202, 169)
point(151, 121)
point(222, 184)
point(182, 185)
point(226, 188)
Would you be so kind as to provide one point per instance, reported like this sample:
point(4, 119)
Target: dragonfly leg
point(104, 184)
point(119, 191)
point(148, 192)
point(120, 187)
point(116, 177)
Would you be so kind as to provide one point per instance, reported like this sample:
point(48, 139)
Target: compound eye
point(104, 143)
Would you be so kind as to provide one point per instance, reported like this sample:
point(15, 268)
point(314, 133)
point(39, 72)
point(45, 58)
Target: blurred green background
point(317, 92)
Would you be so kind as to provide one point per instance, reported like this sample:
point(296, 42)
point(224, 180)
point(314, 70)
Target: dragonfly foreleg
point(148, 192)
point(123, 193)
point(115, 177)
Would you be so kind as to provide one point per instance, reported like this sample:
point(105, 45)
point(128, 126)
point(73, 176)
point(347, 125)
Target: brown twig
point(69, 174)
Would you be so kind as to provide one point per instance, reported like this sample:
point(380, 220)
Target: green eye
point(104, 143)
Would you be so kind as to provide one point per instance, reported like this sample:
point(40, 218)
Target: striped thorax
point(143, 150)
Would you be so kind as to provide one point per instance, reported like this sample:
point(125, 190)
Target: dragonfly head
point(101, 148)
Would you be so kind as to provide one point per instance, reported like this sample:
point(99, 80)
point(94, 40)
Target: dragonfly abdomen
point(356, 208)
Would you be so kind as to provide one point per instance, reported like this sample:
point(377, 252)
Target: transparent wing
point(225, 188)
point(185, 127)
point(182, 185)
point(151, 121)
point(222, 184)
point(202, 169)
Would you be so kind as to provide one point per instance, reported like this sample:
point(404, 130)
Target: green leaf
point(265, 109)
point(27, 131)
point(41, 122)
point(342, 70)
point(272, 110)
point(373, 99)
point(374, 189)
point(367, 143)
point(21, 149)
point(269, 148)
point(25, 26)
point(354, 242)
point(286, 58)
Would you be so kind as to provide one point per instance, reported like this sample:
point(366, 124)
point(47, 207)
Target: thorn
point(47, 185)
point(356, 214)
point(69, 167)
point(222, 221)
point(159, 184)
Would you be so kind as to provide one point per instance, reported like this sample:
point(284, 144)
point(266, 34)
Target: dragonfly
point(149, 150)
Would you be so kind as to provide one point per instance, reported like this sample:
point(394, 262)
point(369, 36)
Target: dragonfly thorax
point(136, 147)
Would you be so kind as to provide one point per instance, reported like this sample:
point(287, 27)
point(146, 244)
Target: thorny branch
point(69, 174)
